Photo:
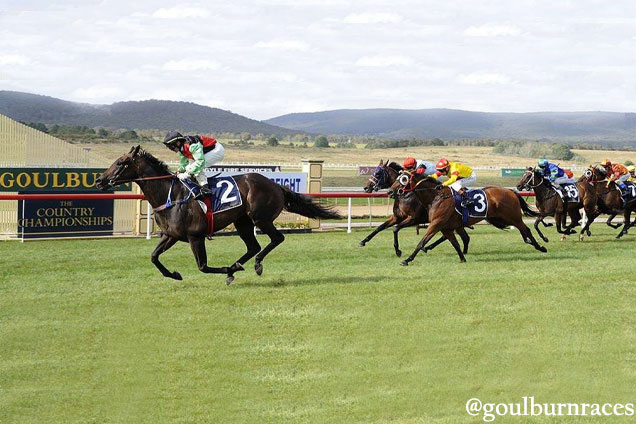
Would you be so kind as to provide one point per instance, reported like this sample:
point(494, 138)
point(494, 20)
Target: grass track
point(90, 332)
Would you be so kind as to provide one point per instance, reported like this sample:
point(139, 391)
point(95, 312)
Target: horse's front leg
point(165, 243)
point(433, 229)
point(410, 220)
point(197, 244)
point(610, 223)
point(389, 222)
point(540, 219)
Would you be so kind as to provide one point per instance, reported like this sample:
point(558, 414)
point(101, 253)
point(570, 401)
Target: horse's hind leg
point(610, 223)
point(165, 243)
point(245, 228)
point(275, 237)
point(626, 223)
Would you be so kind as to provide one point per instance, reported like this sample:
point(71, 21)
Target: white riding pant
point(464, 182)
point(623, 178)
point(564, 180)
point(212, 157)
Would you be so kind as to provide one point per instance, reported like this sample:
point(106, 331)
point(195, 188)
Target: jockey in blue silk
point(555, 174)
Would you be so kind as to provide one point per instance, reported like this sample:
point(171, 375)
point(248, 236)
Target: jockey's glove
point(183, 176)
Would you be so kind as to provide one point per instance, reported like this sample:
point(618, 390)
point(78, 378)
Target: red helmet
point(409, 162)
point(442, 164)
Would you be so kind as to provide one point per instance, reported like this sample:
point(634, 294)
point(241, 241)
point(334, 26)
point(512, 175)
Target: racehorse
point(407, 211)
point(550, 203)
point(262, 201)
point(609, 199)
point(504, 209)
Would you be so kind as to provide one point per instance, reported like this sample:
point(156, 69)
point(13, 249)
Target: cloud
point(492, 31)
point(283, 45)
point(383, 61)
point(372, 18)
point(483, 78)
point(190, 65)
point(13, 59)
point(179, 12)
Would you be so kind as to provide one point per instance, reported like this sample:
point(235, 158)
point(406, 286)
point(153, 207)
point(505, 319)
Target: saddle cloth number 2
point(225, 197)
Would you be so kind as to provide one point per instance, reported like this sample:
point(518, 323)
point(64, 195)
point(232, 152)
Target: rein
point(169, 203)
point(160, 177)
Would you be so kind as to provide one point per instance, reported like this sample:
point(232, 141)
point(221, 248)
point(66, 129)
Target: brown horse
point(550, 203)
point(504, 209)
point(609, 199)
point(407, 211)
point(262, 201)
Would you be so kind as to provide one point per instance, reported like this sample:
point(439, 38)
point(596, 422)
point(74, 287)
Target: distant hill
point(147, 114)
point(452, 124)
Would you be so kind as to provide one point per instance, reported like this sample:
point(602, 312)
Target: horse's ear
point(135, 150)
point(381, 162)
point(530, 168)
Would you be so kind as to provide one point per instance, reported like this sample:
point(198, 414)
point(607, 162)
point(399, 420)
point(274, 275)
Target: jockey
point(555, 174)
point(460, 176)
point(632, 173)
point(421, 167)
point(617, 173)
point(195, 153)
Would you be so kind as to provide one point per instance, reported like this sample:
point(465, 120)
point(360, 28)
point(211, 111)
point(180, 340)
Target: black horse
point(263, 201)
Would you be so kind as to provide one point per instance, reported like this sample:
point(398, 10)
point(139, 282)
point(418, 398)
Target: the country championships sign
point(59, 218)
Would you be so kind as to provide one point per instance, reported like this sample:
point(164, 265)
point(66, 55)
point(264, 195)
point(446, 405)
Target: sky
point(264, 58)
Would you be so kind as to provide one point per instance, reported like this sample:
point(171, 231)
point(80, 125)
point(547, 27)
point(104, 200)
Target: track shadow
point(308, 281)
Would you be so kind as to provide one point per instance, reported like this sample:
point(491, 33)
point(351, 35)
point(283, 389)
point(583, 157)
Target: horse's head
point(382, 176)
point(122, 170)
point(531, 178)
point(408, 181)
point(594, 174)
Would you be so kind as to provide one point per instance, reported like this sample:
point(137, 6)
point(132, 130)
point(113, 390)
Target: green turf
point(331, 333)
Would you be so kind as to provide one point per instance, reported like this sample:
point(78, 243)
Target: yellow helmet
point(606, 163)
point(631, 169)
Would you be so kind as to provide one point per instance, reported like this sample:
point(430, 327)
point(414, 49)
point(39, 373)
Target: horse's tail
point(305, 206)
point(527, 211)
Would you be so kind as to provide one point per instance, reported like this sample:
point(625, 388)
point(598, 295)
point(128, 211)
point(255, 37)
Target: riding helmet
point(442, 164)
point(409, 162)
point(172, 137)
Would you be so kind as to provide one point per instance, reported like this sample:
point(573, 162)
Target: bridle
point(531, 182)
point(113, 182)
point(380, 179)
point(406, 179)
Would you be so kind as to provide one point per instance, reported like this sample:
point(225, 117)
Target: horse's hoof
point(177, 276)
point(581, 237)
point(542, 249)
point(362, 243)
point(549, 224)
point(545, 239)
point(258, 267)
point(237, 267)
point(462, 260)
point(563, 237)
point(229, 280)
point(404, 263)
point(398, 253)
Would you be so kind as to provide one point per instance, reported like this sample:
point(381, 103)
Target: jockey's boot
point(622, 188)
point(559, 191)
point(466, 201)
point(205, 191)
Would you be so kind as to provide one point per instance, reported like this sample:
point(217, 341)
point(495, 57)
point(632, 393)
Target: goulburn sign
point(51, 179)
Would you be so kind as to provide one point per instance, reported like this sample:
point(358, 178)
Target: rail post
point(313, 169)
point(349, 215)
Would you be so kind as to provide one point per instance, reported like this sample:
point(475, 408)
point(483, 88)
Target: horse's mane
point(156, 164)
point(395, 166)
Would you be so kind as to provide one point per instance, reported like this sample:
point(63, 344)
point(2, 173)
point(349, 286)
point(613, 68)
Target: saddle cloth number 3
point(480, 202)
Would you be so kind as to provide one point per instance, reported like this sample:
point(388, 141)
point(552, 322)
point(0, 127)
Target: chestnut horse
point(550, 203)
point(262, 201)
point(609, 199)
point(407, 211)
point(505, 208)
